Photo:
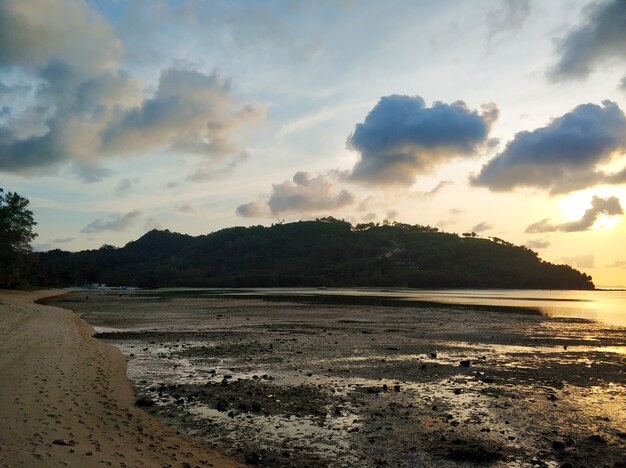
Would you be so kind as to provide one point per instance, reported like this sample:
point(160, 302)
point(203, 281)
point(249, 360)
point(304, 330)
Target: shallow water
point(608, 306)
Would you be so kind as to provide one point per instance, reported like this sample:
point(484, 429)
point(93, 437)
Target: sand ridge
point(65, 399)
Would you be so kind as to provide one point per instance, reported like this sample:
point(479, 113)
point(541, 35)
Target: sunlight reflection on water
point(607, 306)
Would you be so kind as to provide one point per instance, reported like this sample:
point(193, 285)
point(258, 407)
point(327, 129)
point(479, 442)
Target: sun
point(604, 222)
point(574, 206)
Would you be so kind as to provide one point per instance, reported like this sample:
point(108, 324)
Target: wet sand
point(65, 399)
point(288, 384)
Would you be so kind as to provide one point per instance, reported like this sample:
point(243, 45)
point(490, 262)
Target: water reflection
point(608, 306)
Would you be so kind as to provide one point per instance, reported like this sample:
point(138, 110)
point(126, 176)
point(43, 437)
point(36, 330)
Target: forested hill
point(326, 252)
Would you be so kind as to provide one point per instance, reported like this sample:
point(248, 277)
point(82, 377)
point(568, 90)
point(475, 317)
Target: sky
point(505, 118)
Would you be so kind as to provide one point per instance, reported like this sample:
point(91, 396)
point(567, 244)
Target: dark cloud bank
point(562, 156)
point(402, 138)
point(600, 38)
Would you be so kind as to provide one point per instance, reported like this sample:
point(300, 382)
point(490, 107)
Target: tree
point(16, 235)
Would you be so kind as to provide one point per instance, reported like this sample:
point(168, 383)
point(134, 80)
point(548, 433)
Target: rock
point(253, 458)
point(552, 397)
point(396, 388)
point(385, 387)
point(596, 438)
point(64, 442)
point(433, 355)
point(222, 405)
point(145, 402)
point(465, 363)
point(337, 411)
point(558, 445)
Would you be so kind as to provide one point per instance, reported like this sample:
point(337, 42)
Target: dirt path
point(65, 398)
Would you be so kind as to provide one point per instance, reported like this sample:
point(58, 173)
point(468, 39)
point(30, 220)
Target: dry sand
point(65, 399)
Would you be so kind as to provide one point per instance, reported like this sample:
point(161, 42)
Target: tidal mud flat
point(293, 384)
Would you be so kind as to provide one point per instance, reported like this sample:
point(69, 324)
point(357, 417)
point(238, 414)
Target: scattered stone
point(145, 402)
point(222, 405)
point(596, 438)
point(64, 442)
point(558, 445)
point(465, 363)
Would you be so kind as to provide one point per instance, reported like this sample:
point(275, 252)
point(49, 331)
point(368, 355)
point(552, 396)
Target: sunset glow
point(501, 118)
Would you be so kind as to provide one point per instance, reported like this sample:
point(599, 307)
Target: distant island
point(326, 252)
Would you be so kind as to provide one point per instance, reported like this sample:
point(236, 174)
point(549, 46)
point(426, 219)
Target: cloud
point(126, 184)
point(391, 215)
point(308, 193)
point(185, 209)
point(112, 223)
point(190, 112)
point(53, 244)
point(537, 244)
point(304, 193)
point(618, 264)
point(609, 206)
point(402, 138)
point(63, 240)
point(562, 156)
point(580, 261)
point(439, 187)
point(152, 223)
point(34, 32)
point(87, 109)
point(510, 16)
point(251, 210)
point(482, 227)
point(600, 38)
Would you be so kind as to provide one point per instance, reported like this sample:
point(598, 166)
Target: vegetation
point(325, 252)
point(16, 235)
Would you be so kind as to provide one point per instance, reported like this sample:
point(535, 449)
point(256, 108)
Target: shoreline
point(66, 399)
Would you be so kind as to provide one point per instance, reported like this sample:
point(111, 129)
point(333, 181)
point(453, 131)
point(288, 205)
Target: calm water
point(601, 305)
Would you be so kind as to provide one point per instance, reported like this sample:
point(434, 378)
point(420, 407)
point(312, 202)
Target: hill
point(325, 252)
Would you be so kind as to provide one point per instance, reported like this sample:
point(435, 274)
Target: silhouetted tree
point(16, 235)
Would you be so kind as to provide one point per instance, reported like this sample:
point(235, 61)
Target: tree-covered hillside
point(326, 252)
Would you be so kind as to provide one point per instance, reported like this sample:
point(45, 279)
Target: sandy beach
point(65, 399)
